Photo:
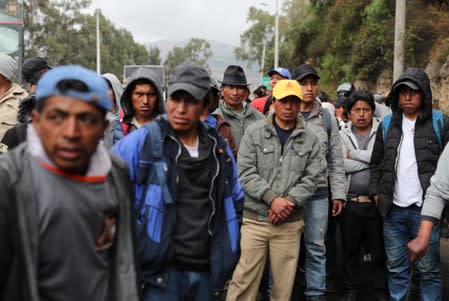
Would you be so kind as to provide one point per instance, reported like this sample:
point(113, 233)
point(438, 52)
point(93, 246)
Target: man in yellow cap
point(278, 161)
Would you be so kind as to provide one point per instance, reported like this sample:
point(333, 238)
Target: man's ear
point(35, 120)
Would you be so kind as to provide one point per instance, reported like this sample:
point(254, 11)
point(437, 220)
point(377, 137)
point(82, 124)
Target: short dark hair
point(64, 86)
point(365, 96)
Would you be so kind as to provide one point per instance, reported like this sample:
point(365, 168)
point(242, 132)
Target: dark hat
point(409, 84)
point(32, 69)
point(189, 77)
point(340, 101)
point(235, 76)
point(303, 71)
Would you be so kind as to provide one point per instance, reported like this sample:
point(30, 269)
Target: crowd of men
point(195, 192)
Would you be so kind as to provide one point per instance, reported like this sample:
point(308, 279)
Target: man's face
point(361, 115)
point(234, 95)
point(410, 101)
point(309, 86)
point(274, 79)
point(69, 130)
point(339, 111)
point(144, 100)
point(183, 111)
point(286, 109)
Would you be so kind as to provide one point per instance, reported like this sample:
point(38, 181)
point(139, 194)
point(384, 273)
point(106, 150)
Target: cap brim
point(196, 92)
point(284, 95)
point(409, 84)
point(307, 74)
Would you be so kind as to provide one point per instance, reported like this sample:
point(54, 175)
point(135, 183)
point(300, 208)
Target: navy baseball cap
point(281, 71)
point(97, 93)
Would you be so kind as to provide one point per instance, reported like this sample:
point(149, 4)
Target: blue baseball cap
point(281, 71)
point(97, 93)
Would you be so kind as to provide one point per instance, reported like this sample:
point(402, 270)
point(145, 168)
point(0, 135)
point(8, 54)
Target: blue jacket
point(155, 218)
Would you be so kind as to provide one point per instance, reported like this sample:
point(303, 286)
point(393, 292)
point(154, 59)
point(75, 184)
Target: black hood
point(421, 80)
point(125, 100)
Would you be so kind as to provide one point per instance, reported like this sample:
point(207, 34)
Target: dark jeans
point(362, 227)
point(400, 226)
point(181, 286)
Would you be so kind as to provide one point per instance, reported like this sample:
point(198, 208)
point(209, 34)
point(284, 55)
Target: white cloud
point(149, 21)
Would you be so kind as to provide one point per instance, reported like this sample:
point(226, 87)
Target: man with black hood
point(141, 101)
point(404, 158)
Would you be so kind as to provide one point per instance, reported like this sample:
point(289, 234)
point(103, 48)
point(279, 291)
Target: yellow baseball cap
point(286, 88)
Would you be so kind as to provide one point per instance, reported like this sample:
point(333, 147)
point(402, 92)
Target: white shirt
point(407, 189)
point(193, 150)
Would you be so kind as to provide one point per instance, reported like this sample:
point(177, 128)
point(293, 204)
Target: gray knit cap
point(8, 66)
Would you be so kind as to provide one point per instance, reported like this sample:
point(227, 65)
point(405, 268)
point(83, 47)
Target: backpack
point(437, 123)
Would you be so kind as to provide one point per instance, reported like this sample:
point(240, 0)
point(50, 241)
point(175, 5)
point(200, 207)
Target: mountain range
point(223, 56)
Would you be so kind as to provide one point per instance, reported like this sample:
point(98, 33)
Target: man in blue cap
point(276, 74)
point(65, 214)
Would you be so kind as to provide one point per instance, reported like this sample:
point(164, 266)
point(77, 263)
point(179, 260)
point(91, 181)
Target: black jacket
point(427, 148)
point(19, 231)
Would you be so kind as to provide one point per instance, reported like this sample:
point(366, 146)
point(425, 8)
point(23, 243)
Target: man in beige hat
point(10, 93)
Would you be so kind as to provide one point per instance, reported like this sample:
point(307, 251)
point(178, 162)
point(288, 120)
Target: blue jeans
point(400, 226)
point(181, 285)
point(315, 228)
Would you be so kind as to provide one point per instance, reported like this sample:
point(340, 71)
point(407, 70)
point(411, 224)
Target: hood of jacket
point(117, 88)
point(420, 79)
point(125, 100)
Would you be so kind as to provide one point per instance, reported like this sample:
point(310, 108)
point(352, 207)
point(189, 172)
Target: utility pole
point(262, 65)
point(98, 43)
point(399, 31)
point(276, 36)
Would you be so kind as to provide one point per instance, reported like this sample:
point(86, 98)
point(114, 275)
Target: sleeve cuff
point(430, 219)
point(269, 196)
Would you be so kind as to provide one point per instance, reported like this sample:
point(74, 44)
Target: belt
point(251, 215)
point(360, 198)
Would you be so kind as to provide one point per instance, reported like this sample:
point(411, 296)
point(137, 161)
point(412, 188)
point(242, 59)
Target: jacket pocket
point(299, 158)
point(151, 231)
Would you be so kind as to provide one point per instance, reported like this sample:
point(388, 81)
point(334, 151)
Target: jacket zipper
point(212, 185)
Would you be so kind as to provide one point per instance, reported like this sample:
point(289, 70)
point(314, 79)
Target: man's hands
point(337, 207)
point(280, 210)
point(417, 248)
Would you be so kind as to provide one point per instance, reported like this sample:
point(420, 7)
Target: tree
point(154, 56)
point(64, 34)
point(197, 50)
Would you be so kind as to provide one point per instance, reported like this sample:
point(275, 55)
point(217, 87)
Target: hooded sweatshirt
point(124, 126)
point(114, 115)
point(427, 149)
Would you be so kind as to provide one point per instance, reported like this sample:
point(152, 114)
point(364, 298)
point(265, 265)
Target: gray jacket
point(360, 158)
point(19, 231)
point(335, 167)
point(115, 114)
point(266, 174)
point(239, 122)
point(437, 195)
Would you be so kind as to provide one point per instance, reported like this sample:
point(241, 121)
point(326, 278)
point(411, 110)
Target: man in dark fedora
point(235, 110)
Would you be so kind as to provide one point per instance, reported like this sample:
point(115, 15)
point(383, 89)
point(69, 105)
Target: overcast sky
point(149, 20)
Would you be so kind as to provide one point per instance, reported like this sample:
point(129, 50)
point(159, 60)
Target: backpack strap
point(327, 120)
point(386, 126)
point(123, 125)
point(438, 125)
point(151, 155)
